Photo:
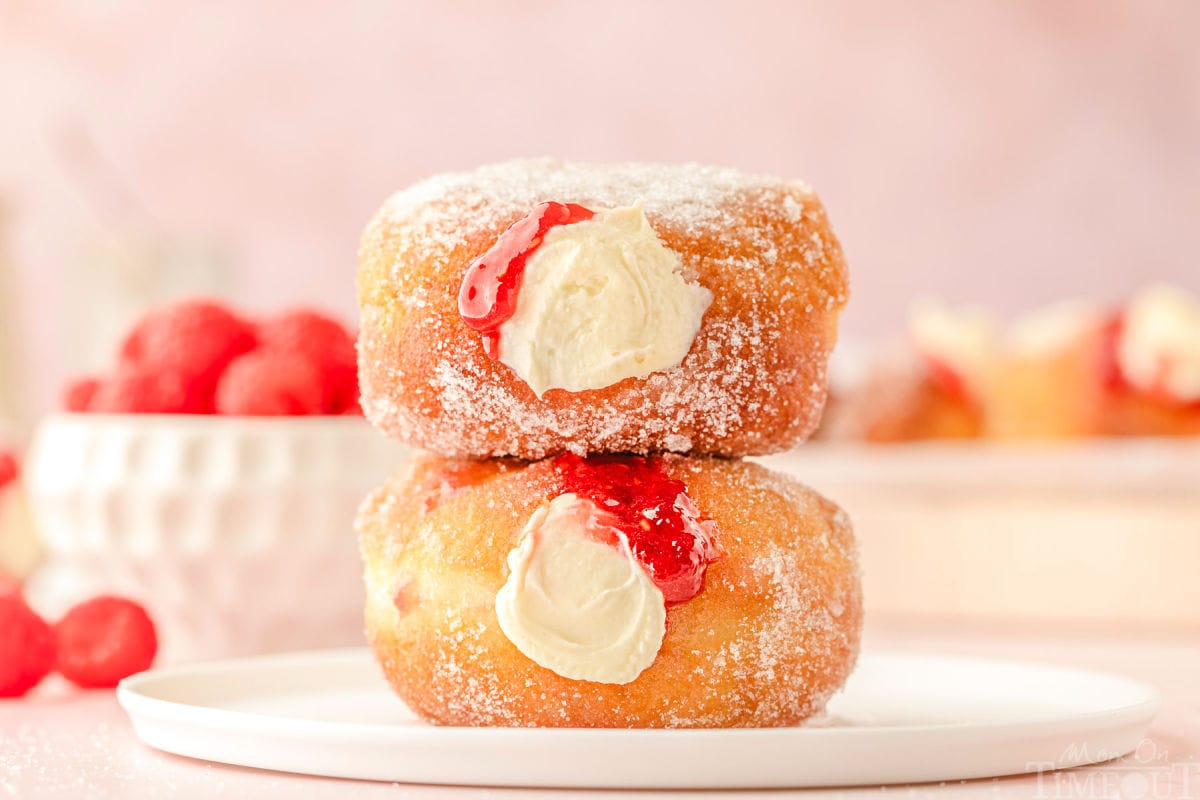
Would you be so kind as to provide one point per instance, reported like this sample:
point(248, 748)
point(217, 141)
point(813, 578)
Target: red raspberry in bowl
point(9, 469)
point(327, 344)
point(138, 390)
point(27, 647)
point(103, 640)
point(194, 339)
point(79, 393)
point(266, 383)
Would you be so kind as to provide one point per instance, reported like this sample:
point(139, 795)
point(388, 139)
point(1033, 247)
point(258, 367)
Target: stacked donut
point(587, 353)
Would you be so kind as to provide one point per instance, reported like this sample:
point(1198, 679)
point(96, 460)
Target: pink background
point(999, 152)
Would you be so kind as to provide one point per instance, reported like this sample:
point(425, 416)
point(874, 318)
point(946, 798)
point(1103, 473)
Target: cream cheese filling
point(601, 300)
point(1159, 345)
point(577, 601)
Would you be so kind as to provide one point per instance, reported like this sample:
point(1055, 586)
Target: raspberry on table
point(195, 339)
point(138, 390)
point(79, 393)
point(326, 343)
point(267, 383)
point(103, 640)
point(27, 648)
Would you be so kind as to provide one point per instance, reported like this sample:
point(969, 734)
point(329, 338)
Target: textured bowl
point(236, 532)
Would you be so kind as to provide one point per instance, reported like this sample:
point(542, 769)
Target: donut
point(904, 402)
point(1052, 381)
point(935, 388)
point(534, 307)
point(1068, 370)
point(469, 565)
point(1075, 371)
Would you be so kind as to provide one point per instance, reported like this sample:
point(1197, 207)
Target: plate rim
point(132, 698)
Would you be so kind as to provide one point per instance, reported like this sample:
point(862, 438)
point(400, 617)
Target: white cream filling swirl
point(577, 601)
point(600, 301)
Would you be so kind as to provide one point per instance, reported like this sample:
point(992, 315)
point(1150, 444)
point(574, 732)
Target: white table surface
point(64, 743)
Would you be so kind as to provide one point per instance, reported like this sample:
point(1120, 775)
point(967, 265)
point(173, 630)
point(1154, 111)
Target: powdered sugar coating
point(773, 634)
point(752, 383)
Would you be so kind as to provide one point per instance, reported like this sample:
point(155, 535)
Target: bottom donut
point(609, 591)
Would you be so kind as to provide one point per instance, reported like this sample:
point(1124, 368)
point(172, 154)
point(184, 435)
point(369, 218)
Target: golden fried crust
point(773, 634)
point(900, 401)
point(1131, 414)
point(1063, 394)
point(752, 383)
point(1050, 395)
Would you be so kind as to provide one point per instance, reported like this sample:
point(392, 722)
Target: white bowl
point(236, 532)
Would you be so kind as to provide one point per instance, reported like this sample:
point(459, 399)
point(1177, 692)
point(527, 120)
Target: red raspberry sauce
point(1109, 366)
point(947, 379)
point(666, 532)
point(488, 295)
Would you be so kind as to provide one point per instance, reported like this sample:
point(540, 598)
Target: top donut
point(534, 307)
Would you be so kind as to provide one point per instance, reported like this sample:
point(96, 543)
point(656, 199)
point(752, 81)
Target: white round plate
point(900, 719)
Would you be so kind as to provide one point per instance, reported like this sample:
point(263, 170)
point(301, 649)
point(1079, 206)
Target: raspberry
point(327, 344)
point(9, 469)
point(26, 646)
point(267, 383)
point(136, 390)
point(103, 640)
point(79, 394)
point(195, 339)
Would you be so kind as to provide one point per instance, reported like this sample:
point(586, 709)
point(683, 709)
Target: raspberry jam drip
point(666, 532)
point(1112, 377)
point(488, 295)
point(949, 380)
